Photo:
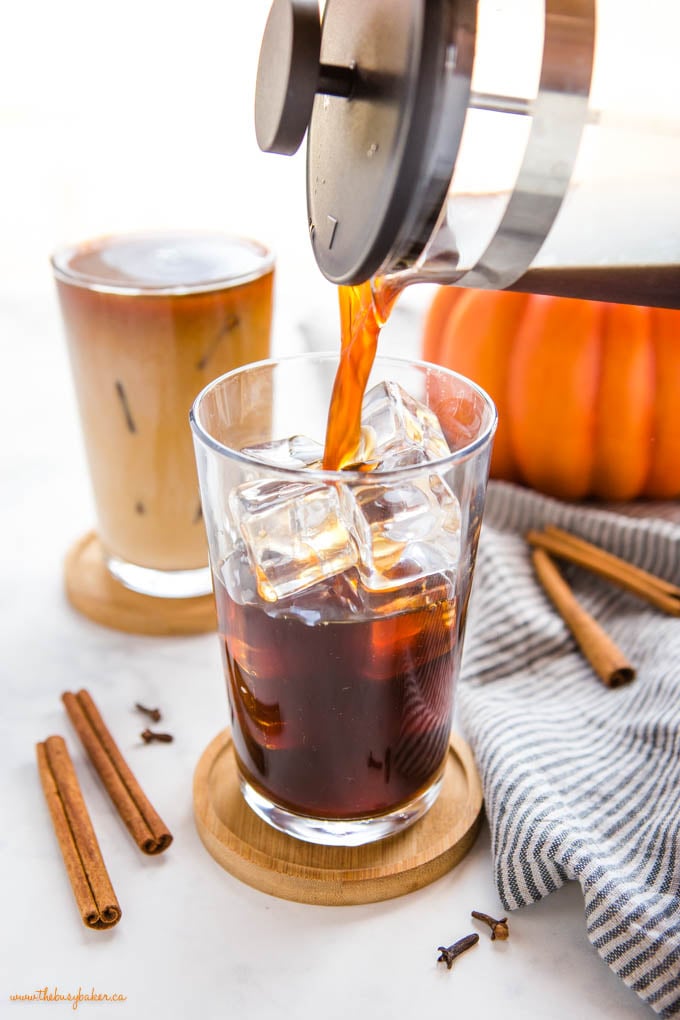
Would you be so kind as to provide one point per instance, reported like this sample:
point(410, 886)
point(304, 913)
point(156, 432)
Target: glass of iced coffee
point(341, 595)
point(149, 320)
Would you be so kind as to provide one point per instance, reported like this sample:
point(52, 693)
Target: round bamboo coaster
point(92, 590)
point(282, 866)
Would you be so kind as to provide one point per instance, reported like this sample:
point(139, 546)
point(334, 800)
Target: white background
point(135, 114)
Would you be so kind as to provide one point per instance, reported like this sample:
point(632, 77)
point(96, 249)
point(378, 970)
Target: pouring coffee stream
point(363, 312)
point(530, 147)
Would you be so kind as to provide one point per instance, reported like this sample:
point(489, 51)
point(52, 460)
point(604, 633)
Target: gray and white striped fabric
point(581, 782)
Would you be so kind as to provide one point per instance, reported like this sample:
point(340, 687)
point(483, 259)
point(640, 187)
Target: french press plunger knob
point(290, 74)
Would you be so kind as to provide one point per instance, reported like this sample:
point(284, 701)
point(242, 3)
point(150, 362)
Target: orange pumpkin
point(588, 393)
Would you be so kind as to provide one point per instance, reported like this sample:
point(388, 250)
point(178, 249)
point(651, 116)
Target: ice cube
point(294, 533)
point(335, 598)
point(293, 452)
point(404, 531)
point(395, 424)
point(237, 576)
point(421, 594)
point(298, 534)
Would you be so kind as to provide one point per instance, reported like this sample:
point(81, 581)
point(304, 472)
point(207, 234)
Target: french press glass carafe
point(523, 144)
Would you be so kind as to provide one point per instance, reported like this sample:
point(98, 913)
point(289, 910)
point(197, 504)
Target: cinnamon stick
point(97, 902)
point(145, 825)
point(604, 656)
point(660, 593)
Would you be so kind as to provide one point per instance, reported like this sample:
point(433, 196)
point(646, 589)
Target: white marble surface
point(193, 940)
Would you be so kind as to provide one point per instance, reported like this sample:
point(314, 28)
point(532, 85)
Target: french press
point(530, 145)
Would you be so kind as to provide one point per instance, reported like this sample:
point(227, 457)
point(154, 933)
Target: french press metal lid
point(486, 143)
point(383, 89)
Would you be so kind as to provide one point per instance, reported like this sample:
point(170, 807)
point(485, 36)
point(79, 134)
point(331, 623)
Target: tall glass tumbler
point(150, 319)
point(341, 596)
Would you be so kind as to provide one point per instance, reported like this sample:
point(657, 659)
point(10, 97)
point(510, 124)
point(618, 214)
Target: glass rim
point(87, 281)
point(456, 456)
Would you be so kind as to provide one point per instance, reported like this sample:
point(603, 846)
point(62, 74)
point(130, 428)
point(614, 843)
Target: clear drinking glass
point(149, 320)
point(341, 596)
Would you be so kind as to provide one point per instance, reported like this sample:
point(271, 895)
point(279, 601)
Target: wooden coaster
point(286, 867)
point(95, 593)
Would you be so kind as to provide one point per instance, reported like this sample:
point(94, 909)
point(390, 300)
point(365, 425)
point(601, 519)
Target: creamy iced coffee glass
point(150, 319)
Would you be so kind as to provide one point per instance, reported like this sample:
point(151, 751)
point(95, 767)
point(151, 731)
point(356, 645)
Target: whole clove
point(450, 953)
point(499, 927)
point(231, 323)
point(127, 413)
point(153, 713)
point(150, 736)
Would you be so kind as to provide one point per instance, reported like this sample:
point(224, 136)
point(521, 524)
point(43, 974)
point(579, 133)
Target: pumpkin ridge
point(477, 341)
point(598, 409)
point(552, 395)
point(664, 477)
point(651, 437)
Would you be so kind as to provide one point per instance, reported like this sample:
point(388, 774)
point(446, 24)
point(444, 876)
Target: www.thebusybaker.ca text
point(75, 998)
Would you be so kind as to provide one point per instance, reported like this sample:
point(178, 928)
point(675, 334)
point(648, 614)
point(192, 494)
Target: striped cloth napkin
point(581, 781)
